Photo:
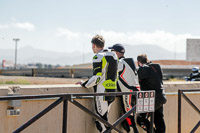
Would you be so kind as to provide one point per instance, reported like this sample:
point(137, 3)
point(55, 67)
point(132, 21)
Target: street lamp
point(83, 53)
point(16, 40)
point(175, 51)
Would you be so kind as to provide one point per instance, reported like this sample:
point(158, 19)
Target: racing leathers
point(128, 82)
point(195, 75)
point(104, 80)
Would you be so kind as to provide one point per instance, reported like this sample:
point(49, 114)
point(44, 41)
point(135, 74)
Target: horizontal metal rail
point(190, 90)
point(73, 95)
point(91, 97)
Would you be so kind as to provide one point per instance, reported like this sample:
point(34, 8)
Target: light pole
point(83, 53)
point(175, 51)
point(16, 40)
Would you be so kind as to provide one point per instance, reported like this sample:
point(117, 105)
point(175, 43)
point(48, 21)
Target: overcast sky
point(69, 25)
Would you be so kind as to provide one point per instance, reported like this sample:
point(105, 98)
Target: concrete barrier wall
point(64, 73)
point(81, 72)
point(24, 72)
point(80, 122)
point(178, 72)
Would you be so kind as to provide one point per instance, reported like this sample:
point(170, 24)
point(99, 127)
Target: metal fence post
point(179, 111)
point(151, 122)
point(65, 110)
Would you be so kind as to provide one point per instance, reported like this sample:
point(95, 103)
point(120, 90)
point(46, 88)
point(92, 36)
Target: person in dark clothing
point(150, 78)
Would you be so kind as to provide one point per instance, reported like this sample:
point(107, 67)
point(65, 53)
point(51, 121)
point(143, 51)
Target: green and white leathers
point(104, 79)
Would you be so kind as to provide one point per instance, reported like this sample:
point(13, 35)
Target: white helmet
point(195, 69)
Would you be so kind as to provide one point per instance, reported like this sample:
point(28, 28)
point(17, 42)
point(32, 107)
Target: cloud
point(66, 33)
point(166, 40)
point(25, 26)
point(160, 38)
point(3, 26)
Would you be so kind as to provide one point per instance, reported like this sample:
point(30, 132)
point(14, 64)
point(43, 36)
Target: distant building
point(193, 50)
point(7, 64)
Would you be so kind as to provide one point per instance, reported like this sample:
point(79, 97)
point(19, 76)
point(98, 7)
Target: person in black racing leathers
point(150, 78)
point(127, 82)
point(104, 79)
point(195, 75)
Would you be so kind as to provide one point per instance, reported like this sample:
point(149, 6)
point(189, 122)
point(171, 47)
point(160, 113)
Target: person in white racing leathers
point(127, 82)
point(104, 79)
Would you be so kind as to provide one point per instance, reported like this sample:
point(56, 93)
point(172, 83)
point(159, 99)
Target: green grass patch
point(19, 81)
point(9, 82)
point(175, 79)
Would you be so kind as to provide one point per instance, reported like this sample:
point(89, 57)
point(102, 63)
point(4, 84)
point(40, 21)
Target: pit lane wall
point(170, 71)
point(80, 122)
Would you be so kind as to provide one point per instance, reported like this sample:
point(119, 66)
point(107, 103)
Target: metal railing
point(71, 98)
point(181, 94)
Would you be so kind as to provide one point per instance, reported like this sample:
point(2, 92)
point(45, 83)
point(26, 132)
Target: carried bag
point(160, 99)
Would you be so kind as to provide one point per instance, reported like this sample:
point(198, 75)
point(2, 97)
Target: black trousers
point(159, 122)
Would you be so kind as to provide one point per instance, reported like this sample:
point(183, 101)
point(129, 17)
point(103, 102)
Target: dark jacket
point(150, 77)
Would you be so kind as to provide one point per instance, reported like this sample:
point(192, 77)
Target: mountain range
point(28, 54)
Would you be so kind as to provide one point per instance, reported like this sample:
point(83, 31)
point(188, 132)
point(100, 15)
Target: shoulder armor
point(97, 58)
